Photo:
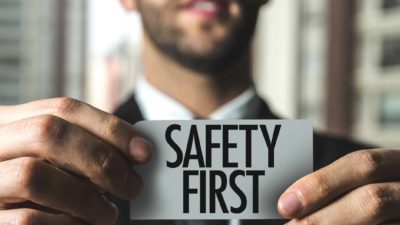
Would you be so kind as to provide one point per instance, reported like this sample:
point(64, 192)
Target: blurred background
point(334, 61)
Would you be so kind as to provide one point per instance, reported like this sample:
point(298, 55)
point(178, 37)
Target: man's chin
point(207, 50)
point(209, 63)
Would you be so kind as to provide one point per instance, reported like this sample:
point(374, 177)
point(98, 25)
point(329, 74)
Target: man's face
point(203, 35)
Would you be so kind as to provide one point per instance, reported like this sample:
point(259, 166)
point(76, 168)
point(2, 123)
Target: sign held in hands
point(221, 169)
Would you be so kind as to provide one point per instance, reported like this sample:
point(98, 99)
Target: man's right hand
point(57, 156)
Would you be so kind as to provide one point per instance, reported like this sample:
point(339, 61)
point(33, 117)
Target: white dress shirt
point(156, 105)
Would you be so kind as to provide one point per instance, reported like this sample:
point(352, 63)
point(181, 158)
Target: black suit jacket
point(327, 149)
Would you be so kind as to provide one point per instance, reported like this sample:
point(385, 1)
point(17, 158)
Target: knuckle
point(108, 164)
point(111, 169)
point(370, 162)
point(112, 127)
point(375, 200)
point(47, 128)
point(321, 183)
point(64, 106)
point(28, 177)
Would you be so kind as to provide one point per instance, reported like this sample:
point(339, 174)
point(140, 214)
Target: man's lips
point(206, 8)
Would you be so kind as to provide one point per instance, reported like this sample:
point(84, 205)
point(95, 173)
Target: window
point(391, 52)
point(390, 111)
point(10, 3)
point(390, 4)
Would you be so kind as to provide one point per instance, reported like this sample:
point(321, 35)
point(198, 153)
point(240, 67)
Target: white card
point(211, 170)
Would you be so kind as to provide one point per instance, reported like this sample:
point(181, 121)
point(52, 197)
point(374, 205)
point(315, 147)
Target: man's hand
point(56, 158)
point(362, 188)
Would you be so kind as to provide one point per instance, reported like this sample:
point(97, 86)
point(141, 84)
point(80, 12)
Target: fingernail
point(290, 204)
point(140, 149)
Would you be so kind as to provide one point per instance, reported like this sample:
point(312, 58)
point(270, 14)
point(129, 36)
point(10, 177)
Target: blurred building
point(297, 80)
point(378, 72)
point(276, 56)
point(291, 58)
point(42, 46)
point(10, 44)
point(312, 61)
point(376, 100)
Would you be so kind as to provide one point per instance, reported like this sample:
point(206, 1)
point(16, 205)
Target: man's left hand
point(360, 188)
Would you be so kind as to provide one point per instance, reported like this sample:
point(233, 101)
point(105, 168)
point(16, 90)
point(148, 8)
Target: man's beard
point(169, 38)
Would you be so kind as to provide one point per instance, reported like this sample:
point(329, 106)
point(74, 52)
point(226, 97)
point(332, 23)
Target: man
point(58, 156)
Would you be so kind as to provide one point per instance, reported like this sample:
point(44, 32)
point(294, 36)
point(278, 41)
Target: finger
point(72, 149)
point(370, 204)
point(29, 179)
point(35, 217)
point(354, 170)
point(116, 132)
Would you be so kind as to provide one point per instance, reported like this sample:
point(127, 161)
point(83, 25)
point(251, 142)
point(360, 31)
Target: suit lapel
point(129, 111)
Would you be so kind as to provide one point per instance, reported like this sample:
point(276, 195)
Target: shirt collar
point(156, 105)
